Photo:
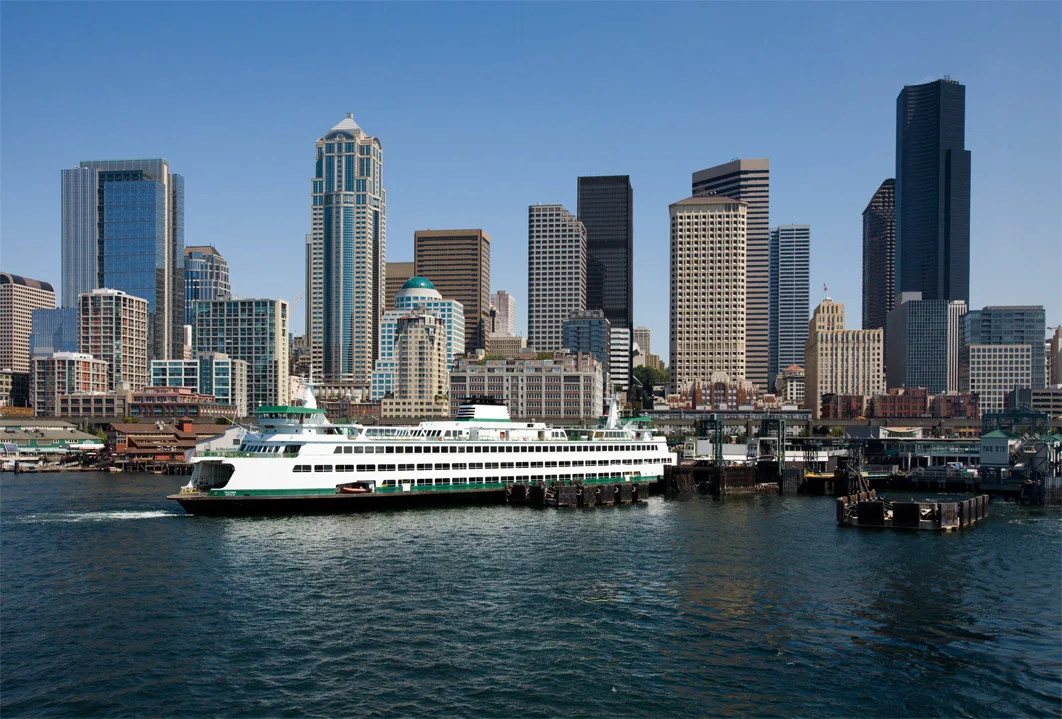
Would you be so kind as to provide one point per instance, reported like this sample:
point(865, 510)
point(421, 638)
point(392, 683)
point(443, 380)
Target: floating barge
point(576, 494)
point(866, 509)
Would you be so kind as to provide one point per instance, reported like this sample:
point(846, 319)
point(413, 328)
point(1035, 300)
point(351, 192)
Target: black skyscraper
point(879, 256)
point(606, 207)
point(932, 192)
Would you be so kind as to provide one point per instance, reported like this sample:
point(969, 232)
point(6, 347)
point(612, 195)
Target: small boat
point(114, 469)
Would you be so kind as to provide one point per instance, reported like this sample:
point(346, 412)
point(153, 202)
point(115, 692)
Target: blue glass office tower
point(789, 289)
point(347, 254)
point(590, 332)
point(53, 331)
point(123, 228)
point(932, 192)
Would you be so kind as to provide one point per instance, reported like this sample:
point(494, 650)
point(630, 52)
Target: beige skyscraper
point(113, 326)
point(422, 375)
point(708, 236)
point(19, 296)
point(838, 360)
point(749, 180)
point(397, 275)
point(457, 262)
point(556, 273)
point(643, 338)
point(505, 314)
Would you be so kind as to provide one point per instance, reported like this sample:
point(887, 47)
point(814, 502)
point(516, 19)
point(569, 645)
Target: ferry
point(299, 461)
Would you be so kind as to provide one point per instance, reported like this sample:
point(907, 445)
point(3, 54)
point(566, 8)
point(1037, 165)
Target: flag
point(825, 288)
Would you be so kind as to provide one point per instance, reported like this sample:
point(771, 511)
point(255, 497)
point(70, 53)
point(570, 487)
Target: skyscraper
point(879, 256)
point(1011, 325)
point(505, 317)
point(347, 272)
point(924, 338)
point(606, 209)
point(643, 338)
point(123, 229)
point(590, 332)
point(790, 287)
point(19, 297)
point(457, 262)
point(206, 277)
point(422, 368)
point(398, 273)
point(556, 273)
point(932, 192)
point(252, 330)
point(113, 326)
point(840, 361)
point(707, 289)
point(749, 181)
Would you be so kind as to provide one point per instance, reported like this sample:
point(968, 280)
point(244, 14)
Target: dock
point(575, 494)
point(866, 509)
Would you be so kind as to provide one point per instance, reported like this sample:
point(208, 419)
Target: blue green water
point(114, 602)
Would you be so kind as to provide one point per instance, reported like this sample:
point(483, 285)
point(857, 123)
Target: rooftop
point(709, 200)
point(419, 283)
point(6, 278)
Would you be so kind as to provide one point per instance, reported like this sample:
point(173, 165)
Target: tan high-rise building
point(457, 262)
point(19, 296)
point(840, 361)
point(422, 374)
point(707, 289)
point(507, 347)
point(642, 338)
point(398, 273)
point(113, 326)
point(504, 314)
point(749, 180)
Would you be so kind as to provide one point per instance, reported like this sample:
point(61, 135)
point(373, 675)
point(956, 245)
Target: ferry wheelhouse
point(299, 454)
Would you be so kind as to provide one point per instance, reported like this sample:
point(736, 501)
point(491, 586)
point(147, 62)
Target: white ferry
point(300, 461)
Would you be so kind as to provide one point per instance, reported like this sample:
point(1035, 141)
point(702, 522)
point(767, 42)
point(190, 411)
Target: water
point(116, 603)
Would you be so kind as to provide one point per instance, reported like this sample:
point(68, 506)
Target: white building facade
point(556, 273)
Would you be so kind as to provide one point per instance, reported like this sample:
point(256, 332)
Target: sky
point(483, 109)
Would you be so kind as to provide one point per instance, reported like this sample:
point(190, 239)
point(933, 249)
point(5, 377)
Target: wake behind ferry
point(299, 461)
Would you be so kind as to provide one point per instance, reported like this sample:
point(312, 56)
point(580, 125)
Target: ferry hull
point(202, 504)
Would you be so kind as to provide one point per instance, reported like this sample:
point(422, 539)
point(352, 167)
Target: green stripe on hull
point(318, 491)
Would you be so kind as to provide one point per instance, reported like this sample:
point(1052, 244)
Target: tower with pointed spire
point(346, 254)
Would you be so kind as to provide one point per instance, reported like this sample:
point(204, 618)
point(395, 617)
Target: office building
point(1011, 325)
point(708, 270)
point(252, 330)
point(643, 338)
point(606, 209)
point(879, 256)
point(789, 386)
point(932, 192)
point(1046, 399)
point(556, 273)
point(749, 181)
point(506, 347)
point(925, 340)
point(53, 331)
point(840, 362)
point(6, 387)
point(346, 254)
point(398, 273)
point(422, 374)
point(1054, 350)
point(65, 373)
point(590, 332)
point(789, 255)
point(170, 403)
point(123, 228)
point(563, 386)
point(212, 373)
point(206, 277)
point(994, 370)
point(19, 297)
point(113, 326)
point(620, 360)
point(416, 294)
point(458, 264)
point(505, 314)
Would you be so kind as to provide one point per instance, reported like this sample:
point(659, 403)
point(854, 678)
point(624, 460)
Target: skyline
point(831, 141)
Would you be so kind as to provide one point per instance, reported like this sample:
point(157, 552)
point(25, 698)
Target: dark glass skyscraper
point(1011, 325)
point(123, 229)
point(879, 256)
point(606, 209)
point(932, 192)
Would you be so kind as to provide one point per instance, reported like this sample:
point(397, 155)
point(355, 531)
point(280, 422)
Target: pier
point(575, 494)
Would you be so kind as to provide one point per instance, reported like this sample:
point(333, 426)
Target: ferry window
point(460, 465)
point(506, 465)
point(301, 468)
point(357, 450)
point(389, 450)
point(348, 450)
point(386, 468)
point(423, 481)
point(322, 468)
point(366, 467)
point(475, 465)
point(442, 480)
point(521, 465)
point(442, 466)
point(338, 450)
point(389, 483)
point(423, 467)
point(536, 465)
point(405, 468)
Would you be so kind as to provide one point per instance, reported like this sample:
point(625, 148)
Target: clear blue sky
point(483, 109)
